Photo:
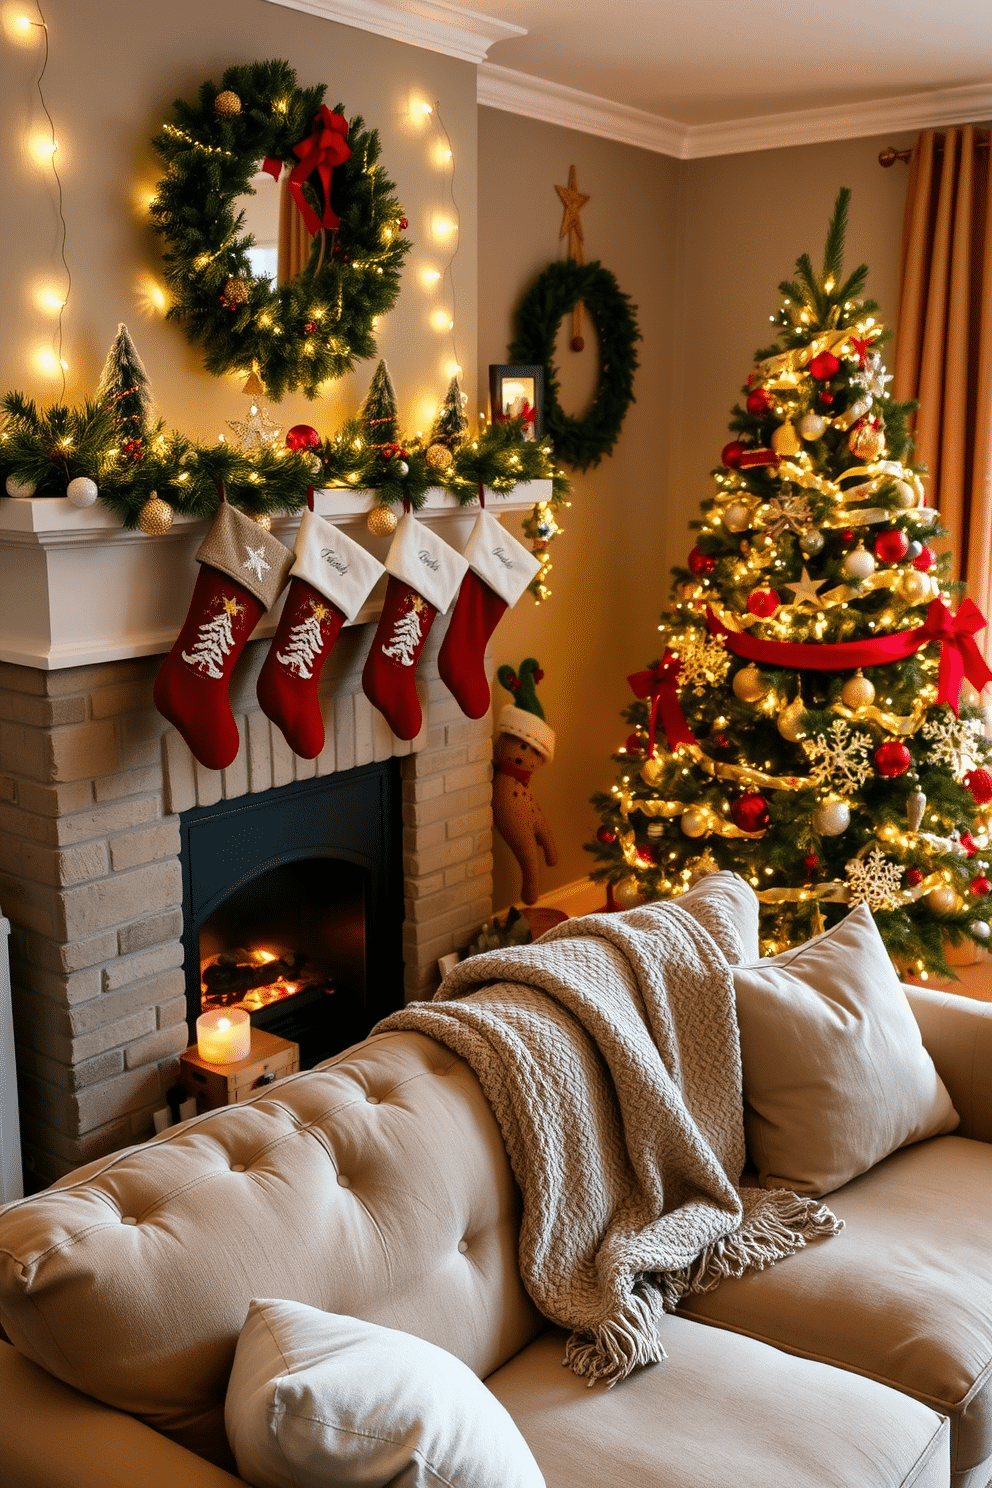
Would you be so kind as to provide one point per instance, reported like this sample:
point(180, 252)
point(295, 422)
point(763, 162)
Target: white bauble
point(914, 550)
point(857, 692)
point(811, 542)
point(812, 426)
point(403, 468)
point(925, 515)
point(737, 518)
point(788, 723)
point(785, 440)
point(905, 495)
point(859, 564)
point(695, 822)
point(831, 817)
point(979, 928)
point(748, 684)
point(942, 899)
point(17, 487)
point(82, 491)
point(626, 894)
point(915, 586)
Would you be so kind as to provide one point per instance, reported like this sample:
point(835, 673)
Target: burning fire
point(235, 978)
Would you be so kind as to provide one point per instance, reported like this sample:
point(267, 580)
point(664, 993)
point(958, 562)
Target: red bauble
point(721, 741)
point(731, 454)
point(301, 437)
point(891, 546)
point(824, 366)
point(969, 844)
point(979, 782)
point(913, 877)
point(763, 602)
point(758, 402)
point(826, 398)
point(646, 854)
point(980, 886)
point(634, 744)
point(607, 836)
point(812, 862)
point(925, 559)
point(892, 758)
point(750, 812)
point(847, 535)
point(701, 563)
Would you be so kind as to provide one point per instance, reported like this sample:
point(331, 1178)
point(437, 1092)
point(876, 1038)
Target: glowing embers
point(254, 977)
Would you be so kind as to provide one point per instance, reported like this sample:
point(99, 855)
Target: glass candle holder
point(223, 1036)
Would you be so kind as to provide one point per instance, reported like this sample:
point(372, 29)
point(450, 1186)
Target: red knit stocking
point(389, 678)
point(462, 658)
point(287, 684)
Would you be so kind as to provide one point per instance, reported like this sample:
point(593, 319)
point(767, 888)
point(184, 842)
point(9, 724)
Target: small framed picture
point(518, 393)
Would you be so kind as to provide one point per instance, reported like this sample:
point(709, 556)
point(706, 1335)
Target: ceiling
point(711, 61)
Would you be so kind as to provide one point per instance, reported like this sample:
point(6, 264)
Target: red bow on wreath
point(326, 148)
point(527, 415)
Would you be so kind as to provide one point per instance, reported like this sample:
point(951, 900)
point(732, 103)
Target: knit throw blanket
point(610, 1056)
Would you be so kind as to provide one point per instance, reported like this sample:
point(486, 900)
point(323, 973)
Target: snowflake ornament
point(872, 376)
point(874, 880)
point(842, 760)
point(255, 432)
point(704, 658)
point(953, 742)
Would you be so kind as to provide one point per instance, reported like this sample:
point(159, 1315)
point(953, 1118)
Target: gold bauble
point(785, 440)
point(943, 900)
point(812, 425)
point(866, 442)
point(227, 104)
point(914, 587)
point(737, 517)
point(626, 894)
point(381, 521)
point(438, 457)
point(695, 822)
point(156, 516)
point(857, 692)
point(788, 722)
point(261, 519)
point(236, 291)
point(748, 684)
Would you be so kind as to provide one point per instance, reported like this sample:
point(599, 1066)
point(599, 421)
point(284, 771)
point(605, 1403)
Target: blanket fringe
point(608, 1352)
point(779, 1224)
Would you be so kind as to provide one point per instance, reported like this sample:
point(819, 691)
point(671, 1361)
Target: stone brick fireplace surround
point(92, 780)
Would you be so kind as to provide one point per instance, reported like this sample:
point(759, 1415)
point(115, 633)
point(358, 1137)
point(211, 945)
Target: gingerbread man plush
point(524, 743)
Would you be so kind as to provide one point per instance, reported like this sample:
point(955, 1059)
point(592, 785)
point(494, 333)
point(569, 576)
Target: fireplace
point(293, 907)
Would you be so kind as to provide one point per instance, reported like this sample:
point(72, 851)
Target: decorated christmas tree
point(378, 415)
point(123, 391)
point(450, 425)
point(812, 721)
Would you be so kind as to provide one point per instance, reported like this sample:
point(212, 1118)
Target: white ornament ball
point(914, 550)
point(17, 487)
point(812, 426)
point(831, 818)
point(788, 723)
point(737, 518)
point(403, 468)
point(979, 928)
point(942, 899)
point(695, 823)
point(857, 692)
point(915, 586)
point(859, 564)
point(626, 894)
point(748, 685)
point(905, 495)
point(82, 491)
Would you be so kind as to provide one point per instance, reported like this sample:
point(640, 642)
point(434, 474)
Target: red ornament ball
point(913, 877)
point(758, 403)
point(826, 398)
point(892, 758)
point(646, 854)
point(925, 559)
point(731, 454)
point(701, 563)
point(634, 744)
point(721, 741)
point(750, 812)
point(980, 886)
point(824, 366)
point(847, 535)
point(301, 437)
point(979, 782)
point(812, 862)
point(607, 836)
point(763, 602)
point(891, 546)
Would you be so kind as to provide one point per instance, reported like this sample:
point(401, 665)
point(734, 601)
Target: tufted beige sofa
point(378, 1186)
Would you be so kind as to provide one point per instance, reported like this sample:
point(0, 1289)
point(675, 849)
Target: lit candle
point(223, 1036)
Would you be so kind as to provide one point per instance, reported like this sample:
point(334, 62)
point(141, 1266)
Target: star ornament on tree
point(256, 431)
point(805, 592)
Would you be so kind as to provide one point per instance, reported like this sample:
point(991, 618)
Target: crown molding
point(520, 93)
point(435, 25)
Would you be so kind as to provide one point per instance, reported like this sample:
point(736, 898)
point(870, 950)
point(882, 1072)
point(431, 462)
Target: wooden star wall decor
point(573, 201)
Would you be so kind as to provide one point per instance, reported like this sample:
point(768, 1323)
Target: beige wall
point(115, 69)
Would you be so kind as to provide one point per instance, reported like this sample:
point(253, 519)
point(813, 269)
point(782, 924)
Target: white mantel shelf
point(77, 588)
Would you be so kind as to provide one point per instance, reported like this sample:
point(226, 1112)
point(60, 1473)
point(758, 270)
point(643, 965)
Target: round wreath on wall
point(319, 323)
point(580, 442)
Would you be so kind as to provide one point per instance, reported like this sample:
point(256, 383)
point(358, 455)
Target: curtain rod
point(890, 155)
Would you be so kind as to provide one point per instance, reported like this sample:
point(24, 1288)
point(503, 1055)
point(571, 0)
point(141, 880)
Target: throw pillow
point(315, 1398)
point(835, 1073)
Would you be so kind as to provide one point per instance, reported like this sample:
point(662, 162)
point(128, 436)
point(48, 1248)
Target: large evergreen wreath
point(557, 290)
point(319, 324)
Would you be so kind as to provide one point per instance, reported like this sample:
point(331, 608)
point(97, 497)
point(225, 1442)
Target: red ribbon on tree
point(660, 683)
point(326, 148)
point(959, 654)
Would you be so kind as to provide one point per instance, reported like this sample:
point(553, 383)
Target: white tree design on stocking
point(305, 643)
point(407, 635)
point(215, 641)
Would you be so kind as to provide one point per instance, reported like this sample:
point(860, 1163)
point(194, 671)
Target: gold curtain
point(294, 240)
point(944, 340)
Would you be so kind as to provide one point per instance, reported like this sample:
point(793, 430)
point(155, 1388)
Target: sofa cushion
point(835, 1072)
point(903, 1294)
point(720, 1410)
point(377, 1186)
point(316, 1398)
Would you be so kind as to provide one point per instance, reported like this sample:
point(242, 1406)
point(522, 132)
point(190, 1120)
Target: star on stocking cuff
point(255, 562)
point(806, 592)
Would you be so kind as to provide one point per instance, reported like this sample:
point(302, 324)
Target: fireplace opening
point(293, 908)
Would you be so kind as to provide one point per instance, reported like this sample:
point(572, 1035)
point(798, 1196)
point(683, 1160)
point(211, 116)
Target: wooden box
point(216, 1085)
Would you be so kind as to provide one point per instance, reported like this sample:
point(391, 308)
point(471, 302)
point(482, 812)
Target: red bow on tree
point(326, 148)
point(660, 683)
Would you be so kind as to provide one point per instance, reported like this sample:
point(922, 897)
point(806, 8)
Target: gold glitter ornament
point(831, 817)
point(439, 458)
point(381, 521)
point(857, 692)
point(866, 442)
point(227, 104)
point(236, 291)
point(261, 519)
point(748, 684)
point(156, 516)
point(943, 900)
point(788, 723)
point(627, 893)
